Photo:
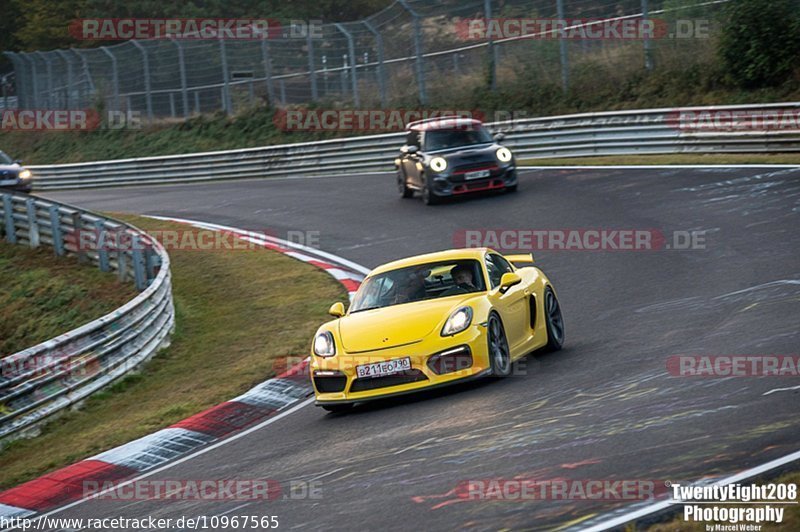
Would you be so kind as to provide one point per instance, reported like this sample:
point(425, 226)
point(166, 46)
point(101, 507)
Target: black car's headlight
point(324, 346)
point(25, 174)
point(438, 164)
point(504, 155)
point(459, 320)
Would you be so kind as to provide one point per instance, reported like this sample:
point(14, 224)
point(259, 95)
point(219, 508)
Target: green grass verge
point(42, 296)
point(791, 517)
point(677, 158)
point(237, 313)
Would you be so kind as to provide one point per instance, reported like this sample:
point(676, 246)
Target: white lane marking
point(186, 458)
point(411, 447)
point(653, 166)
point(647, 510)
point(782, 390)
point(312, 251)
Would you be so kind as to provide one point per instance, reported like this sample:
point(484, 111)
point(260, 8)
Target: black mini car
point(13, 175)
point(449, 156)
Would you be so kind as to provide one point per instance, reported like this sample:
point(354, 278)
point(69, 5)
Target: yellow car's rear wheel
point(555, 321)
point(499, 355)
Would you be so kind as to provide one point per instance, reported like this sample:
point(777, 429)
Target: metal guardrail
point(49, 377)
point(648, 131)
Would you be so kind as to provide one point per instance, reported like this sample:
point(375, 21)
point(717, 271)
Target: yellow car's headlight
point(25, 174)
point(438, 164)
point(504, 155)
point(459, 320)
point(324, 345)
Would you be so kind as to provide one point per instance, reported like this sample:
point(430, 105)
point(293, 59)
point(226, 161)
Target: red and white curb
point(132, 459)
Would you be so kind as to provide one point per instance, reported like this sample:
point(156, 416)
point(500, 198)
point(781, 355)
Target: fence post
point(114, 77)
point(68, 91)
point(381, 66)
point(487, 13)
point(267, 70)
point(352, 53)
point(55, 226)
point(86, 72)
point(226, 89)
point(312, 67)
point(417, 51)
point(562, 43)
point(34, 79)
point(33, 223)
point(647, 24)
point(8, 214)
point(146, 67)
point(49, 71)
point(182, 71)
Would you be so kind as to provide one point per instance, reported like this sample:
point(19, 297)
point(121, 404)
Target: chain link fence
point(412, 53)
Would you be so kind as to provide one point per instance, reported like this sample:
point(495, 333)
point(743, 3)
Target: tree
point(760, 42)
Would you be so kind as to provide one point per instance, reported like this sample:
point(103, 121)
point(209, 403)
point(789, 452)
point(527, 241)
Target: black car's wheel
point(429, 197)
point(402, 187)
point(554, 320)
point(499, 355)
point(338, 409)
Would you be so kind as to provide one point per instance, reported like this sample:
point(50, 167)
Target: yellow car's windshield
point(418, 283)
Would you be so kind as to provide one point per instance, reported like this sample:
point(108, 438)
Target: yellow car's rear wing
point(520, 259)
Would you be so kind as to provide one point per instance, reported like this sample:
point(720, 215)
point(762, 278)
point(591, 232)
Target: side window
point(412, 138)
point(497, 266)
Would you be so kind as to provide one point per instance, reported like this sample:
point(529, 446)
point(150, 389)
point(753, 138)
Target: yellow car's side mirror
point(508, 280)
point(336, 310)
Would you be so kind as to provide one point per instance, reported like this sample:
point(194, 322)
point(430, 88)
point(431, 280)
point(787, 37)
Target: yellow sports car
point(433, 320)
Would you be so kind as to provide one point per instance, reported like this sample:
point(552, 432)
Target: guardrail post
point(122, 266)
point(77, 226)
point(146, 68)
point(352, 53)
point(418, 51)
point(33, 223)
point(55, 226)
point(648, 46)
point(562, 43)
point(137, 257)
point(312, 68)
point(8, 214)
point(226, 90)
point(150, 263)
point(102, 251)
point(114, 77)
point(381, 67)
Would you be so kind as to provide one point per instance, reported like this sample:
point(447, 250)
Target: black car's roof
point(445, 122)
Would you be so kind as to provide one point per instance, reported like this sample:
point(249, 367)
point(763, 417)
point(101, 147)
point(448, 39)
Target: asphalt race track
point(604, 408)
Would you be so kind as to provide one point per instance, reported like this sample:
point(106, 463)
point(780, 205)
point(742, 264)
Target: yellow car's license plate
point(388, 367)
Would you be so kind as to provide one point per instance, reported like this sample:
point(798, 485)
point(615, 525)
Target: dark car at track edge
point(14, 176)
point(449, 156)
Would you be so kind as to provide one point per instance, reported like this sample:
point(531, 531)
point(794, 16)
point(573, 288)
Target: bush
point(760, 41)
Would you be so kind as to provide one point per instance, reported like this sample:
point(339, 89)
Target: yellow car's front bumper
point(435, 361)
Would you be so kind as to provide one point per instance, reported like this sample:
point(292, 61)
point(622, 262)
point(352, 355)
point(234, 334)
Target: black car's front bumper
point(455, 184)
point(19, 186)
